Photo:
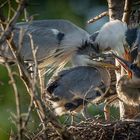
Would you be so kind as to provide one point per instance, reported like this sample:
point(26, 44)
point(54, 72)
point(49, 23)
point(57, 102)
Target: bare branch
point(17, 98)
point(98, 17)
point(34, 51)
point(3, 4)
point(30, 107)
point(115, 9)
point(12, 22)
point(127, 11)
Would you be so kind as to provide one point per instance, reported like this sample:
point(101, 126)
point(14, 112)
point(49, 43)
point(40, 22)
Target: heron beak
point(126, 64)
point(103, 64)
point(107, 65)
point(100, 61)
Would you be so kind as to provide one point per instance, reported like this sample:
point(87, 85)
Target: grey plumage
point(57, 42)
point(53, 39)
point(128, 88)
point(71, 89)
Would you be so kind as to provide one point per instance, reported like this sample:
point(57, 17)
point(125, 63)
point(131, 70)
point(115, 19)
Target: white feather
point(55, 31)
point(112, 35)
point(81, 60)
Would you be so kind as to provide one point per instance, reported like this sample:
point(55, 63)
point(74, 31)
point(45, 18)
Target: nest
point(92, 130)
point(97, 130)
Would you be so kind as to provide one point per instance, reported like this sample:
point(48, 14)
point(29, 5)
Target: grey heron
point(128, 86)
point(118, 37)
point(57, 42)
point(72, 89)
point(112, 36)
point(54, 38)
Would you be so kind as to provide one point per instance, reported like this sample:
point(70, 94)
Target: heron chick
point(72, 89)
point(128, 87)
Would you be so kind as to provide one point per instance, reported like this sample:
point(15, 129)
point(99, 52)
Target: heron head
point(88, 55)
point(131, 68)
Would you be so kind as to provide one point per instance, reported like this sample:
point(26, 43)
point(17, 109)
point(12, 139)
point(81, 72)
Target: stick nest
point(96, 130)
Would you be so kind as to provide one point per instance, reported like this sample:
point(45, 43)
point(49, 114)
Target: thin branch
point(34, 51)
point(44, 114)
point(30, 107)
point(17, 98)
point(39, 105)
point(127, 11)
point(3, 4)
point(98, 17)
point(12, 22)
point(26, 15)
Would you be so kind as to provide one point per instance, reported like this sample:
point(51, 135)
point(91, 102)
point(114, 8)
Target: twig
point(30, 107)
point(26, 15)
point(3, 4)
point(17, 97)
point(34, 51)
point(41, 109)
point(35, 74)
point(28, 81)
point(98, 17)
point(20, 42)
point(127, 11)
point(12, 22)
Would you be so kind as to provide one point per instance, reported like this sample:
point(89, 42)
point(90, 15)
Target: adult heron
point(57, 42)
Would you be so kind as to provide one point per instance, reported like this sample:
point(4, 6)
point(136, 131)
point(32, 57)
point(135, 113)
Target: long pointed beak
point(126, 64)
point(103, 64)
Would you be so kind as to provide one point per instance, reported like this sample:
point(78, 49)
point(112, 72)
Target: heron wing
point(59, 24)
point(78, 82)
point(52, 38)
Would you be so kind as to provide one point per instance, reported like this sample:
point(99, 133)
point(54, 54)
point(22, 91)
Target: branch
point(127, 11)
point(17, 98)
point(115, 9)
point(45, 115)
point(12, 22)
point(98, 17)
